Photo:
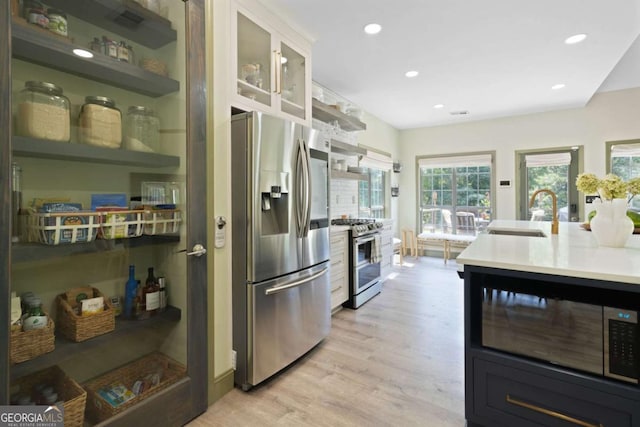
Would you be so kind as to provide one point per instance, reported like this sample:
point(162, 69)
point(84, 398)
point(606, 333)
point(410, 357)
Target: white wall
point(610, 116)
point(382, 136)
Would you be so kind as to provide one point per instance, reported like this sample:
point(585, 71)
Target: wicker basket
point(74, 396)
point(80, 328)
point(98, 409)
point(26, 345)
point(155, 66)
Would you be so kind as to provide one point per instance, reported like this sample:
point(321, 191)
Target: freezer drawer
point(289, 316)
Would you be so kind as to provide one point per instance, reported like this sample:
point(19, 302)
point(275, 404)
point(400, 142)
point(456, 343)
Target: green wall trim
point(220, 386)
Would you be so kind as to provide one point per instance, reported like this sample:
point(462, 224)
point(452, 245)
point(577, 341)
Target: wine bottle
point(130, 291)
point(162, 285)
point(151, 294)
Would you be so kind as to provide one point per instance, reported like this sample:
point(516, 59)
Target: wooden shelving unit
point(124, 17)
point(348, 175)
point(65, 348)
point(43, 149)
point(31, 44)
point(24, 252)
point(327, 114)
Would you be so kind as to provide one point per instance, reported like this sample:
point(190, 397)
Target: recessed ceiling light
point(438, 106)
point(284, 60)
point(411, 73)
point(558, 86)
point(82, 53)
point(372, 28)
point(577, 38)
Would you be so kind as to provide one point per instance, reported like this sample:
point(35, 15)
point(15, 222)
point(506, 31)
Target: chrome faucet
point(554, 200)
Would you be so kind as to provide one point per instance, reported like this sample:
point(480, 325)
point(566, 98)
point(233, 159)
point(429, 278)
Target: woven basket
point(98, 409)
point(155, 66)
point(80, 328)
point(26, 345)
point(74, 396)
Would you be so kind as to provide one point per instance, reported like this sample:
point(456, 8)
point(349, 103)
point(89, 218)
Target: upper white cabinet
point(271, 65)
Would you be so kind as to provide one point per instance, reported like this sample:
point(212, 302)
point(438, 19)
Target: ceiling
point(491, 58)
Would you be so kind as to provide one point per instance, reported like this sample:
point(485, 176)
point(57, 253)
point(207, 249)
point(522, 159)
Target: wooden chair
point(409, 243)
point(465, 223)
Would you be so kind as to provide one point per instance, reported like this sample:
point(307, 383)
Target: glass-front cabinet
point(272, 72)
point(102, 258)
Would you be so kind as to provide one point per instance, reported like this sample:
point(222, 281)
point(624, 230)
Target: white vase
point(611, 226)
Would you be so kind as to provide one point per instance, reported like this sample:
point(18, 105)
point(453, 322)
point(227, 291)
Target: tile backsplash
point(343, 192)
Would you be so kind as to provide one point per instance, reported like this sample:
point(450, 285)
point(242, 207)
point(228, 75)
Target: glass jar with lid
point(100, 122)
point(43, 112)
point(142, 129)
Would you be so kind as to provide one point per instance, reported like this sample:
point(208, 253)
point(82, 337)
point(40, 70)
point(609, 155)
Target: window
point(624, 161)
point(455, 193)
point(371, 194)
point(555, 170)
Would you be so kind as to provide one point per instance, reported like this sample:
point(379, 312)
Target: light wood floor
point(396, 361)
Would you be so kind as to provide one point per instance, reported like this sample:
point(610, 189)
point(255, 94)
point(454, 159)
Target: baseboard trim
point(220, 386)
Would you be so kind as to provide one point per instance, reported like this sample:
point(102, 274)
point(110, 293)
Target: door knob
point(198, 250)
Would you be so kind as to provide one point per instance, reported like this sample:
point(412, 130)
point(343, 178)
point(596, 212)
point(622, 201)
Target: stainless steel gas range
point(364, 260)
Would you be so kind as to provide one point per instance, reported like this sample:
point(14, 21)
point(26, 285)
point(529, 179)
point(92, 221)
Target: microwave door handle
point(295, 283)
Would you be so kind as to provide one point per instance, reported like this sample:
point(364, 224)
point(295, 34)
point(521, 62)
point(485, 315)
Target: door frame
point(188, 398)
point(5, 194)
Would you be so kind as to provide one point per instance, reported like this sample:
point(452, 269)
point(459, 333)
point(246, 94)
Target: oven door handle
point(366, 239)
point(293, 284)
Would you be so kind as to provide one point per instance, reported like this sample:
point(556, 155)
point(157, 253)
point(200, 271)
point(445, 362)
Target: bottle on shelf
point(151, 294)
point(130, 291)
point(162, 285)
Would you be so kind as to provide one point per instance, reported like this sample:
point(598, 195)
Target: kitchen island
point(539, 347)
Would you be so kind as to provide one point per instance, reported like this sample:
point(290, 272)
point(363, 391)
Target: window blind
point(375, 160)
point(549, 159)
point(625, 150)
point(455, 161)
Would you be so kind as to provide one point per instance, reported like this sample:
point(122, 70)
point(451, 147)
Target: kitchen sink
point(512, 232)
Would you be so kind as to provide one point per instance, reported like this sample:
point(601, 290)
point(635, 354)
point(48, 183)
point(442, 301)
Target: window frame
point(371, 190)
point(451, 157)
point(575, 168)
point(608, 147)
point(609, 162)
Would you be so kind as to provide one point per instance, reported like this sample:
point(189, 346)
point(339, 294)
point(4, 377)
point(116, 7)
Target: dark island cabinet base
point(505, 396)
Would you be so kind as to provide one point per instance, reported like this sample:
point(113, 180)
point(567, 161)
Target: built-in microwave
point(583, 336)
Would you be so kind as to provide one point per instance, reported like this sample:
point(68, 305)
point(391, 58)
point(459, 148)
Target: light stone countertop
point(572, 252)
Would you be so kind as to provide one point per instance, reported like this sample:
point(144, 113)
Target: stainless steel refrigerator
point(280, 244)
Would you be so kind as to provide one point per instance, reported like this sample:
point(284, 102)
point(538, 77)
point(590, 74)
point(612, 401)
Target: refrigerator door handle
point(299, 190)
point(303, 193)
point(307, 185)
point(295, 283)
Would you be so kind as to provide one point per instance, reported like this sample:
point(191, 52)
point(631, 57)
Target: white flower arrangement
point(608, 188)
